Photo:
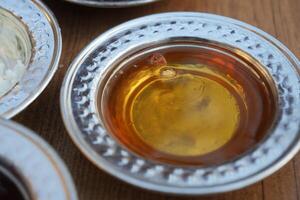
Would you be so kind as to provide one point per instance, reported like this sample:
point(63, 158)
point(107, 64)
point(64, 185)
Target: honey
point(187, 105)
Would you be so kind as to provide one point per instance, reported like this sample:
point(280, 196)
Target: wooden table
point(80, 25)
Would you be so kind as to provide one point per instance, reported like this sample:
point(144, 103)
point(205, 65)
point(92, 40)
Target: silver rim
point(35, 161)
point(45, 34)
point(112, 3)
point(80, 113)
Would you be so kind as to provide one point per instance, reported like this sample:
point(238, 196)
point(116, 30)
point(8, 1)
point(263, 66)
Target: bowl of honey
point(184, 103)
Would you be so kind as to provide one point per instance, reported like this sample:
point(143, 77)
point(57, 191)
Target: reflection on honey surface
point(188, 101)
point(187, 106)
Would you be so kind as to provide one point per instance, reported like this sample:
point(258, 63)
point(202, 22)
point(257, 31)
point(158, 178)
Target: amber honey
point(187, 105)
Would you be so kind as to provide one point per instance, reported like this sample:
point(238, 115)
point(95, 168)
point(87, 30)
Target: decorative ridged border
point(87, 131)
point(46, 42)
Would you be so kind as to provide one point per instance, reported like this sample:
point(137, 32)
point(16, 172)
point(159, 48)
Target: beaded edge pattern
point(41, 34)
point(199, 26)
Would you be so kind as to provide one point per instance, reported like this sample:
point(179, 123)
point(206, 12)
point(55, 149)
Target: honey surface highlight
point(187, 106)
point(184, 114)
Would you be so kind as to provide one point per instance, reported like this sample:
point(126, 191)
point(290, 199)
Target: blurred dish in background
point(30, 168)
point(30, 48)
point(112, 3)
point(15, 51)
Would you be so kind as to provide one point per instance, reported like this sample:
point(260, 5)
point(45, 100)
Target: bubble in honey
point(167, 73)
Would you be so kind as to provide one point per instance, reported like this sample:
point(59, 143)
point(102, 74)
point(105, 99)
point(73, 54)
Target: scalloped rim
point(77, 138)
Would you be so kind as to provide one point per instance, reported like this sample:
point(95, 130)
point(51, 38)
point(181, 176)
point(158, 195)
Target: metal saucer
point(38, 170)
point(102, 56)
point(112, 3)
point(45, 40)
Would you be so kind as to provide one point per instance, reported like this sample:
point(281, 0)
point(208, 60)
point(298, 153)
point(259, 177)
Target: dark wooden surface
point(80, 25)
